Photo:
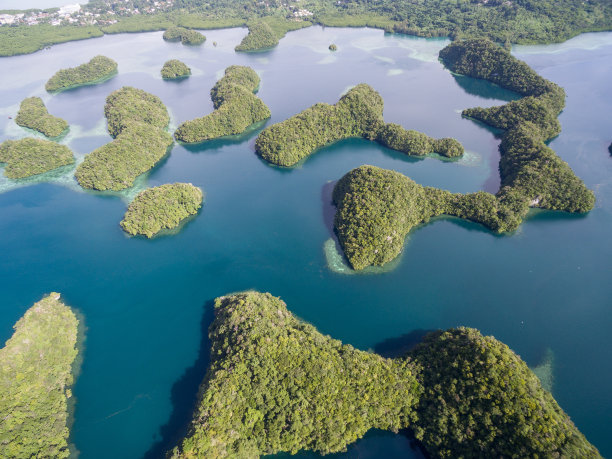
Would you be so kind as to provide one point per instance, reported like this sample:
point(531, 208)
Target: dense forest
point(276, 384)
point(36, 376)
point(185, 36)
point(162, 207)
point(98, 69)
point(236, 108)
point(34, 115)
point(175, 69)
point(29, 156)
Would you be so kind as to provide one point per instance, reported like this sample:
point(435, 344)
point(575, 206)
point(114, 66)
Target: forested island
point(359, 113)
point(162, 207)
point(533, 21)
point(34, 115)
point(175, 69)
point(236, 108)
point(276, 384)
point(29, 156)
point(185, 36)
point(36, 376)
point(265, 33)
point(98, 69)
point(137, 121)
point(377, 208)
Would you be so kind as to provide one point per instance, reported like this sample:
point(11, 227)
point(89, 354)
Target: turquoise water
point(147, 303)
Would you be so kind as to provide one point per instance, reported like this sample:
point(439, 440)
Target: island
point(265, 33)
point(333, 47)
point(276, 384)
point(36, 377)
point(175, 69)
point(236, 108)
point(97, 70)
point(185, 36)
point(376, 208)
point(34, 115)
point(137, 121)
point(27, 157)
point(359, 113)
point(162, 207)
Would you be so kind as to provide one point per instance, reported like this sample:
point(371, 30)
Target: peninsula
point(359, 113)
point(137, 121)
point(97, 70)
point(175, 69)
point(34, 115)
point(162, 207)
point(265, 33)
point(36, 376)
point(185, 36)
point(275, 384)
point(236, 108)
point(27, 157)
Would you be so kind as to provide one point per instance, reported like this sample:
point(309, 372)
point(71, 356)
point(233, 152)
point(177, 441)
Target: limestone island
point(359, 113)
point(137, 121)
point(36, 376)
point(236, 108)
point(97, 70)
point(34, 115)
point(333, 47)
point(175, 69)
point(275, 384)
point(376, 208)
point(29, 156)
point(162, 207)
point(265, 33)
point(185, 36)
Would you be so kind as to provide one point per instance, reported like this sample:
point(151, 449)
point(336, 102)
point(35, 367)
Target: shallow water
point(147, 303)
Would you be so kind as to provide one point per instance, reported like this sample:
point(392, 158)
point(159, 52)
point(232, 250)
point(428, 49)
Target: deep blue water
point(147, 303)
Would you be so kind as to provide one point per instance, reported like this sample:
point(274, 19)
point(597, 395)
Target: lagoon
point(147, 303)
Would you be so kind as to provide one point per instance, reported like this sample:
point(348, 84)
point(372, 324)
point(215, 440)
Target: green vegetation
point(29, 39)
point(174, 69)
point(98, 69)
point(185, 36)
point(276, 384)
point(36, 373)
point(266, 32)
point(236, 108)
point(33, 114)
point(27, 157)
point(162, 207)
point(357, 114)
point(481, 399)
point(137, 120)
point(333, 47)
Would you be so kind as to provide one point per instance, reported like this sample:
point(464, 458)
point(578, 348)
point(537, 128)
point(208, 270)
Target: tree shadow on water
point(399, 346)
point(184, 394)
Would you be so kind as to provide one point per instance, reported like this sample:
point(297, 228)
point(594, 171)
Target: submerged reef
point(276, 384)
point(162, 207)
point(185, 36)
point(137, 120)
point(359, 113)
point(36, 376)
point(27, 157)
point(174, 69)
point(96, 70)
point(34, 115)
point(236, 108)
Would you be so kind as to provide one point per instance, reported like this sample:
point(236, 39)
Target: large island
point(97, 70)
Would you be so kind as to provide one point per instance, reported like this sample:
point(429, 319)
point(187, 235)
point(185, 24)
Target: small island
point(137, 120)
point(265, 33)
point(175, 69)
point(333, 47)
point(97, 70)
point(34, 115)
point(236, 108)
point(359, 113)
point(27, 157)
point(162, 207)
point(275, 384)
point(185, 36)
point(36, 376)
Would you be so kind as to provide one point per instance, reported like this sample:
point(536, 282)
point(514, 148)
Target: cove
point(147, 303)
